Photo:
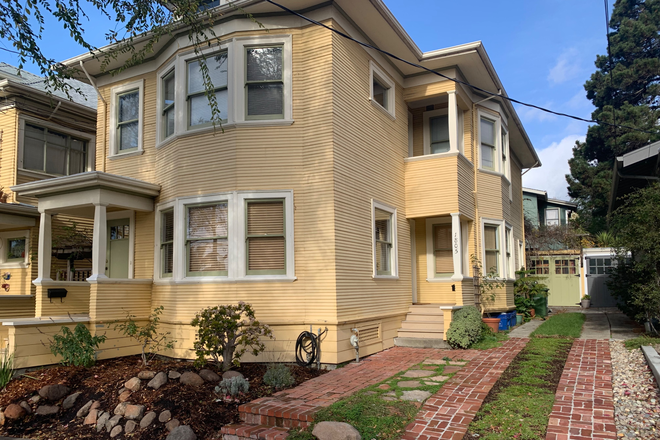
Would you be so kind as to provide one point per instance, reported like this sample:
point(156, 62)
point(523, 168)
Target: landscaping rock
point(146, 375)
point(209, 375)
point(15, 412)
point(418, 373)
point(409, 384)
point(172, 424)
point(54, 392)
point(336, 431)
point(229, 374)
point(82, 412)
point(148, 419)
point(415, 395)
point(112, 422)
point(103, 419)
point(70, 401)
point(133, 384)
point(123, 397)
point(134, 412)
point(96, 405)
point(439, 378)
point(121, 408)
point(116, 431)
point(121, 390)
point(130, 426)
point(35, 399)
point(91, 417)
point(26, 407)
point(47, 410)
point(164, 416)
point(2, 417)
point(183, 432)
point(384, 386)
point(192, 379)
point(158, 381)
point(174, 374)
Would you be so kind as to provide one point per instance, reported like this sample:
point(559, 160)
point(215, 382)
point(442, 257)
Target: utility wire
point(609, 63)
point(384, 52)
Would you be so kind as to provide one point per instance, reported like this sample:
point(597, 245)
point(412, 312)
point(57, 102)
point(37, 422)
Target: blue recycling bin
point(504, 322)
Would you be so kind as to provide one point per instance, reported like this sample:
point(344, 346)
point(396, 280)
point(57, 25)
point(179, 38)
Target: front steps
point(424, 327)
point(253, 432)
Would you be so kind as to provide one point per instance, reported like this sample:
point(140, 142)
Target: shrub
point(150, 340)
point(223, 329)
point(233, 387)
point(524, 306)
point(77, 347)
point(279, 376)
point(6, 368)
point(465, 327)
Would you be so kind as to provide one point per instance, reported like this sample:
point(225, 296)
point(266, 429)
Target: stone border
point(653, 359)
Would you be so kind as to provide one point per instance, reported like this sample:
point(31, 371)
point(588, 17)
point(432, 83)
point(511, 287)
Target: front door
point(118, 247)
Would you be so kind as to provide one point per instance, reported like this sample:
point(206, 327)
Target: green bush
point(77, 347)
point(279, 376)
point(465, 328)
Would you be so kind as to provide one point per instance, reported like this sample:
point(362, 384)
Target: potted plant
point(586, 301)
point(529, 287)
point(484, 291)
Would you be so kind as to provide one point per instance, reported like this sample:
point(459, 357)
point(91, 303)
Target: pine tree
point(628, 95)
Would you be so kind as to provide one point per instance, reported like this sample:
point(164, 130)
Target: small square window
point(16, 249)
point(381, 89)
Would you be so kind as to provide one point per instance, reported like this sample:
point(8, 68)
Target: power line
point(609, 63)
point(419, 66)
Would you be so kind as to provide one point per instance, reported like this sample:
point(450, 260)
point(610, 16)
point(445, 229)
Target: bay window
point(266, 239)
point(491, 249)
point(167, 104)
point(264, 82)
point(207, 239)
point(200, 112)
point(488, 145)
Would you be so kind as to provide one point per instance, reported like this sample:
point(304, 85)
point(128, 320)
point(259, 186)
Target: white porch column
point(453, 121)
point(457, 246)
point(99, 242)
point(45, 248)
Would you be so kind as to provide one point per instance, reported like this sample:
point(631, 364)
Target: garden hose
point(307, 349)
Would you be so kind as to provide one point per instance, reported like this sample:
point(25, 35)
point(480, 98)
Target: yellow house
point(345, 189)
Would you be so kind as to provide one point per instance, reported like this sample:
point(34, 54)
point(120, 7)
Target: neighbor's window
point(167, 243)
point(206, 239)
point(53, 152)
point(16, 249)
point(167, 104)
point(266, 239)
point(600, 266)
point(383, 238)
point(487, 130)
point(492, 249)
point(565, 267)
point(540, 267)
point(442, 251)
point(264, 82)
point(552, 217)
point(128, 120)
point(200, 111)
point(439, 131)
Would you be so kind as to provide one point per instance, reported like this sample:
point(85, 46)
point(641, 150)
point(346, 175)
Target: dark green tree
point(625, 90)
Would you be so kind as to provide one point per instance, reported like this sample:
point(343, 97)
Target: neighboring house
point(347, 190)
point(559, 266)
point(41, 136)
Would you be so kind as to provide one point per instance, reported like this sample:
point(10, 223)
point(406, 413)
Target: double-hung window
point(53, 152)
point(207, 239)
point(488, 144)
point(552, 217)
point(439, 134)
point(266, 237)
point(492, 249)
point(264, 82)
point(167, 243)
point(128, 120)
point(442, 251)
point(167, 104)
point(215, 69)
point(508, 253)
point(385, 263)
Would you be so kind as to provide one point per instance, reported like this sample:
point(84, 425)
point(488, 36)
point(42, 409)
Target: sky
point(542, 50)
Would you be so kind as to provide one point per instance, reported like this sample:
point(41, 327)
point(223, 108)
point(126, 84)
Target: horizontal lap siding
point(20, 282)
point(489, 195)
point(431, 187)
point(369, 151)
point(76, 301)
point(427, 90)
point(12, 308)
point(466, 188)
point(8, 149)
point(144, 245)
point(435, 292)
point(115, 301)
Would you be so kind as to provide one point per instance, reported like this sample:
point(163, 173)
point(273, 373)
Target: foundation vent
point(369, 333)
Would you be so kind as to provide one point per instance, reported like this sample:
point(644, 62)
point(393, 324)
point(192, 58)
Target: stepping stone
point(428, 367)
point(418, 373)
point(431, 383)
point(415, 396)
point(461, 363)
point(384, 386)
point(439, 378)
point(409, 384)
point(335, 430)
point(451, 369)
point(388, 398)
point(369, 393)
point(435, 362)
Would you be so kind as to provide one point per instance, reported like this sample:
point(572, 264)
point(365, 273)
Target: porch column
point(44, 249)
point(99, 242)
point(453, 121)
point(457, 246)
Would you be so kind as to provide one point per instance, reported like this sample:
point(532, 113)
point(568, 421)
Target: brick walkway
point(584, 406)
point(448, 413)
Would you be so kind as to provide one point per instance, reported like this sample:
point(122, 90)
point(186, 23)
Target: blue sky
point(543, 51)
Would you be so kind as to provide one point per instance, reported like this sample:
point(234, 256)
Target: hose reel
point(308, 348)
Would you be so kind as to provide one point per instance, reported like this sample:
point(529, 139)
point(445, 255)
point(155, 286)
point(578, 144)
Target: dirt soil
point(196, 407)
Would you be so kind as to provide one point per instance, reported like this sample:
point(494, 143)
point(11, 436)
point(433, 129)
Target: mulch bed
point(196, 407)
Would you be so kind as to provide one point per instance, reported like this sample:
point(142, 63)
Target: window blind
point(264, 81)
point(266, 240)
point(167, 242)
point(491, 248)
point(207, 239)
point(444, 260)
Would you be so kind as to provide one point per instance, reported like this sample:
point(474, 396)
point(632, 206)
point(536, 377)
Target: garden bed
point(193, 406)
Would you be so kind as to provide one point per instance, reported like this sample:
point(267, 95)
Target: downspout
point(57, 107)
point(105, 113)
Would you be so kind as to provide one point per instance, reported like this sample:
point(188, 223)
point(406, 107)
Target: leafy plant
point(151, 341)
point(587, 297)
point(226, 332)
point(233, 387)
point(279, 376)
point(6, 368)
point(77, 347)
point(465, 328)
point(487, 285)
point(524, 306)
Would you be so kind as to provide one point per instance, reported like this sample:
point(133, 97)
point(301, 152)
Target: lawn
point(641, 340)
point(567, 325)
point(490, 340)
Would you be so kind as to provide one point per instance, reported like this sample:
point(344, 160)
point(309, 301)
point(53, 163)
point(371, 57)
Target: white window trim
point(90, 139)
point(236, 264)
point(430, 257)
point(162, 72)
point(395, 253)
point(112, 126)
point(130, 215)
point(507, 151)
point(501, 224)
point(558, 216)
point(521, 254)
point(4, 236)
point(375, 71)
point(497, 157)
point(510, 275)
point(427, 132)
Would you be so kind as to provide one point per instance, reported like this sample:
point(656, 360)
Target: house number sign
point(456, 242)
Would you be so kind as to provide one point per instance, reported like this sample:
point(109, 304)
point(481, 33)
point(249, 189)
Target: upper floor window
point(552, 217)
point(382, 89)
point(264, 82)
point(200, 112)
point(167, 104)
point(53, 152)
point(126, 119)
point(488, 144)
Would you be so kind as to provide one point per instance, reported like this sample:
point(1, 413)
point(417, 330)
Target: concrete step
point(424, 317)
point(423, 325)
point(253, 432)
point(429, 333)
point(421, 342)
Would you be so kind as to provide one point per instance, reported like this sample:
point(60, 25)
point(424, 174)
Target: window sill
point(385, 277)
point(13, 265)
point(383, 109)
point(222, 280)
point(492, 172)
point(36, 174)
point(138, 152)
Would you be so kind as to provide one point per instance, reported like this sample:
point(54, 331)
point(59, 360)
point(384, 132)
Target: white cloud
point(566, 68)
point(529, 114)
point(550, 176)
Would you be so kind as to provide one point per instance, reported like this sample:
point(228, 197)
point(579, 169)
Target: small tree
point(226, 332)
point(485, 286)
point(151, 341)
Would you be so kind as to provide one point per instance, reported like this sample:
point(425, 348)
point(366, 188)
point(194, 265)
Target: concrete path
point(596, 326)
point(525, 330)
point(609, 325)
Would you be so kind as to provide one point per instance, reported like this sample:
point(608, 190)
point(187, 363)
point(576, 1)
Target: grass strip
point(641, 340)
point(519, 404)
point(490, 340)
point(568, 325)
point(376, 411)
